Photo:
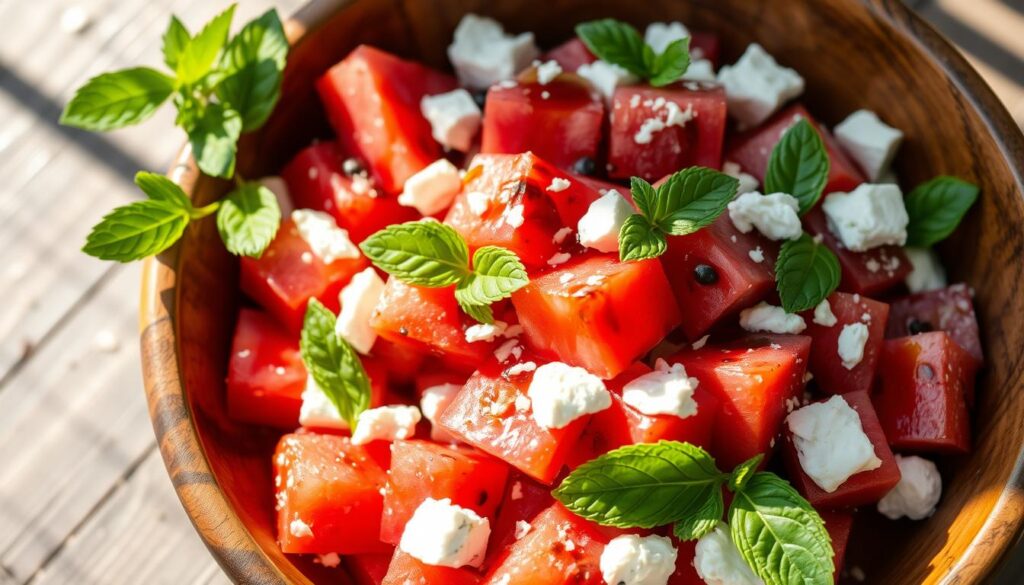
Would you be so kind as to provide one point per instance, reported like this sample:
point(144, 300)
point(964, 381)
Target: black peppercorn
point(480, 97)
point(585, 166)
point(914, 327)
point(705, 274)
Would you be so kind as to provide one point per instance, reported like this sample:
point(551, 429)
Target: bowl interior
point(853, 54)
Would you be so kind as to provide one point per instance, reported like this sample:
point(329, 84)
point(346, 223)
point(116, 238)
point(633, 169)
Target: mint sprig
point(115, 100)
point(935, 209)
point(806, 273)
point(686, 202)
point(431, 254)
point(333, 363)
point(799, 165)
point(248, 219)
point(619, 43)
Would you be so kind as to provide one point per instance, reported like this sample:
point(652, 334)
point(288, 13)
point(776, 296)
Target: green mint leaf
point(137, 230)
point(160, 188)
point(691, 199)
point(248, 219)
point(799, 165)
point(197, 58)
point(497, 273)
point(252, 67)
point(740, 476)
point(670, 66)
point(479, 313)
point(703, 520)
point(618, 43)
point(805, 273)
point(176, 38)
point(115, 100)
point(643, 485)
point(639, 240)
point(779, 534)
point(214, 137)
point(643, 195)
point(936, 208)
point(420, 253)
point(333, 363)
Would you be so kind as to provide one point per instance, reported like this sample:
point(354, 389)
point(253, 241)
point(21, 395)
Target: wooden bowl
point(868, 53)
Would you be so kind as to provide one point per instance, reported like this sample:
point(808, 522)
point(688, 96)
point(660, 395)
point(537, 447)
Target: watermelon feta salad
point(617, 312)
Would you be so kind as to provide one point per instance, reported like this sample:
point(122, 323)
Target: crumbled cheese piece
point(329, 560)
point(823, 314)
point(666, 390)
point(433, 401)
point(605, 77)
point(757, 255)
point(700, 70)
point(446, 535)
point(521, 369)
point(559, 258)
point(599, 227)
point(756, 86)
point(718, 561)
point(748, 182)
point(522, 529)
point(917, 493)
point(300, 529)
point(358, 300)
point(771, 319)
point(482, 54)
point(386, 423)
point(317, 410)
point(505, 350)
point(775, 215)
point(279, 188)
point(558, 184)
point(323, 236)
point(432, 190)
point(700, 343)
point(514, 215)
point(869, 141)
point(478, 202)
point(928, 273)
point(851, 344)
point(659, 35)
point(485, 331)
point(548, 71)
point(869, 216)
point(830, 442)
point(454, 118)
point(638, 560)
point(560, 235)
point(561, 394)
point(674, 116)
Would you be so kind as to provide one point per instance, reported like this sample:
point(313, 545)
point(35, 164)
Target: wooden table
point(83, 494)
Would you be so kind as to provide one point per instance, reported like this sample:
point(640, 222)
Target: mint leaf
point(176, 38)
point(639, 240)
point(779, 534)
point(670, 66)
point(479, 313)
point(214, 138)
point(799, 165)
point(497, 273)
point(252, 65)
point(137, 230)
point(691, 199)
point(936, 208)
point(160, 188)
point(197, 57)
point(333, 364)
point(740, 476)
point(703, 520)
point(248, 219)
point(805, 273)
point(616, 42)
point(115, 100)
point(643, 195)
point(643, 485)
point(420, 253)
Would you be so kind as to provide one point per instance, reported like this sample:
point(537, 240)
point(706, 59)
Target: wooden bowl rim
point(165, 392)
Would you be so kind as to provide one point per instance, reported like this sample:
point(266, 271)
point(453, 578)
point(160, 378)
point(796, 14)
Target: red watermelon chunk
point(570, 55)
point(368, 568)
point(950, 309)
point(523, 500)
point(829, 372)
point(839, 523)
point(407, 570)
point(266, 376)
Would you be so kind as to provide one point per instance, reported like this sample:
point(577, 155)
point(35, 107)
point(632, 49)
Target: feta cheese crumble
point(358, 300)
point(561, 394)
point(763, 317)
point(871, 215)
point(325, 239)
point(659, 35)
point(869, 141)
point(599, 227)
point(674, 116)
point(747, 181)
point(718, 561)
point(561, 235)
point(823, 314)
point(454, 118)
point(928, 273)
point(433, 189)
point(638, 560)
point(483, 55)
point(386, 423)
point(917, 493)
point(559, 258)
point(700, 70)
point(300, 529)
point(433, 401)
point(775, 215)
point(756, 86)
point(558, 184)
point(446, 535)
point(485, 331)
point(830, 442)
point(851, 344)
point(757, 255)
point(605, 77)
point(666, 390)
point(317, 410)
point(548, 71)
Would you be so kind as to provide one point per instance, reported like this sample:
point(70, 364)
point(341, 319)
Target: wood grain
point(870, 53)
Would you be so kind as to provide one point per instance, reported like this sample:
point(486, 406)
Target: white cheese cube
point(485, 331)
point(454, 118)
point(386, 423)
point(666, 390)
point(763, 317)
point(928, 273)
point(700, 70)
point(851, 344)
point(638, 560)
point(317, 410)
point(482, 54)
point(548, 71)
point(561, 394)
point(446, 535)
point(777, 215)
point(659, 35)
point(830, 442)
point(599, 227)
point(279, 188)
point(869, 141)
point(823, 314)
point(605, 77)
point(358, 299)
point(433, 401)
point(432, 190)
point(718, 561)
point(756, 86)
point(747, 181)
point(871, 215)
point(326, 240)
point(917, 493)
